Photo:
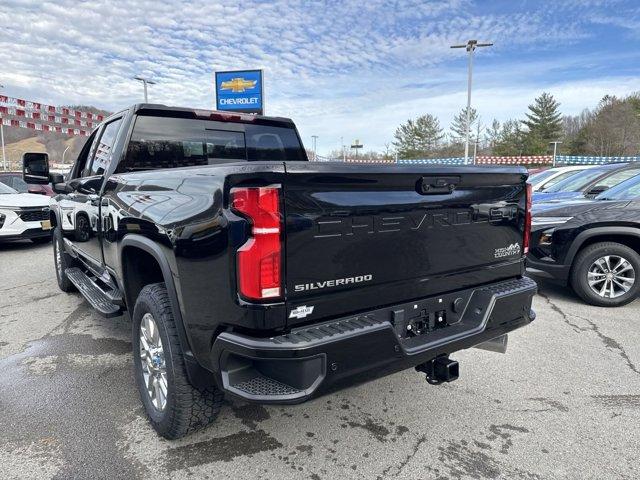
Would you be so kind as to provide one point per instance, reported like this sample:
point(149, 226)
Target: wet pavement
point(564, 402)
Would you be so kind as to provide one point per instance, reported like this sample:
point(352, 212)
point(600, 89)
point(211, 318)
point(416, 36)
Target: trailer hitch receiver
point(440, 369)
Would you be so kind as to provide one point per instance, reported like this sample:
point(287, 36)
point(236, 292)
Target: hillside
point(53, 144)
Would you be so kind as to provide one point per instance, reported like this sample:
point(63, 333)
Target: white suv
point(23, 216)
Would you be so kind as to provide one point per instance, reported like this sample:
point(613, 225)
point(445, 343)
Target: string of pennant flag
point(46, 118)
point(532, 160)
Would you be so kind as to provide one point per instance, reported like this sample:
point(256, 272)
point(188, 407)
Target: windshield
point(626, 190)
point(576, 182)
point(6, 189)
point(538, 178)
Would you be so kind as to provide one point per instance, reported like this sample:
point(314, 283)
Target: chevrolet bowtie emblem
point(238, 84)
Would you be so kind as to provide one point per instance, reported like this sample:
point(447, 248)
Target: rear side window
point(165, 142)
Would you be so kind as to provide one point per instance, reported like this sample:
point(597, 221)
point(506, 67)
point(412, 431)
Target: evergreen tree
point(544, 124)
point(458, 127)
point(419, 138)
point(492, 136)
point(512, 139)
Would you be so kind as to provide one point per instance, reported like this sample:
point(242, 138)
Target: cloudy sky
point(354, 69)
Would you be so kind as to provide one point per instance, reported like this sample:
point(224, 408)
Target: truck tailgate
point(363, 236)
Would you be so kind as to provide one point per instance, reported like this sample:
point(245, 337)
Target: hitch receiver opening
point(440, 369)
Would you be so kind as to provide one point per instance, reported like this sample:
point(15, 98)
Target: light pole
point(344, 155)
point(315, 145)
point(4, 155)
point(555, 149)
point(145, 82)
point(65, 151)
point(471, 46)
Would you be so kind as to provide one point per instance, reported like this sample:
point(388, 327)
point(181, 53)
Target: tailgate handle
point(437, 185)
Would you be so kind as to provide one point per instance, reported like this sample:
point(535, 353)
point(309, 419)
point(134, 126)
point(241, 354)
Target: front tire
point(174, 407)
point(606, 274)
point(62, 261)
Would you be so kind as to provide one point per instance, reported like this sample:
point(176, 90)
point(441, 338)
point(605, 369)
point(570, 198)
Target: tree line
point(611, 129)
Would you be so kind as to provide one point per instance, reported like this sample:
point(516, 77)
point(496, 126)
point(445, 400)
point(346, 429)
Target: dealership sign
point(240, 91)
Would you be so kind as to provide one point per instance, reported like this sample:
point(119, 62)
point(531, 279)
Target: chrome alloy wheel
point(154, 367)
point(611, 276)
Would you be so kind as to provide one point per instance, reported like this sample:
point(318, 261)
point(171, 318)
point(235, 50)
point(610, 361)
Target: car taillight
point(527, 219)
point(259, 259)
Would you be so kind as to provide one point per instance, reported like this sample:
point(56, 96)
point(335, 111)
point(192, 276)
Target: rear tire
point(606, 274)
point(174, 407)
point(62, 260)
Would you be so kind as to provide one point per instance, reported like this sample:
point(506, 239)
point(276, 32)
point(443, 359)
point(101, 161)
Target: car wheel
point(606, 274)
point(41, 240)
point(174, 407)
point(62, 261)
point(83, 229)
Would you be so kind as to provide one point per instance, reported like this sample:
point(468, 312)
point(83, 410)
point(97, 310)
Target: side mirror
point(57, 182)
point(35, 168)
point(87, 185)
point(597, 190)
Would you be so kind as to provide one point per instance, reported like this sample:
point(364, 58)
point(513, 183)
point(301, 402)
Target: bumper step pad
point(92, 293)
point(264, 386)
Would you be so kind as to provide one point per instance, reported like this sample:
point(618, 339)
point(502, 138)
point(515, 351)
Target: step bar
point(92, 293)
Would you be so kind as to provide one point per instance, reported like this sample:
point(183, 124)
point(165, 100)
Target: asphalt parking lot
point(564, 402)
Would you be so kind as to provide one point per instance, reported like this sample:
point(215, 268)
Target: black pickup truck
point(250, 271)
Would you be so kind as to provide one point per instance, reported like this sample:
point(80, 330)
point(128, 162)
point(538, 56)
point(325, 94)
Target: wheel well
point(82, 214)
point(139, 268)
point(630, 241)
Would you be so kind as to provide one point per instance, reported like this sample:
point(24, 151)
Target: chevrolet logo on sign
point(238, 85)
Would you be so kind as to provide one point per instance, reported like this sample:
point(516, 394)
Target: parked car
point(23, 216)
point(15, 181)
point(589, 182)
point(592, 245)
point(249, 271)
point(544, 179)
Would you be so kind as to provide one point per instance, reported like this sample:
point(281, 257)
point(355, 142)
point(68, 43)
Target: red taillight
point(527, 220)
point(259, 258)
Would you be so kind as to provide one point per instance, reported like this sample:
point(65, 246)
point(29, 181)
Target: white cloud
point(346, 68)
